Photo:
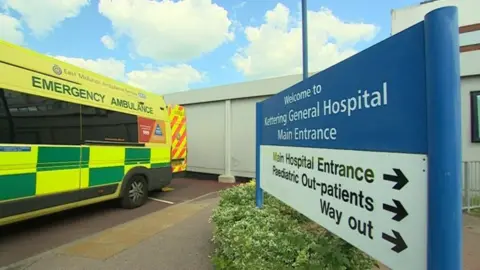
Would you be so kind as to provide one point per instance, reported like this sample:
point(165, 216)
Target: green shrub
point(275, 237)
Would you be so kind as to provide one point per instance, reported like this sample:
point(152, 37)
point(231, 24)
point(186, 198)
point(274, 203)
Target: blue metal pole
point(258, 140)
point(444, 140)
point(304, 39)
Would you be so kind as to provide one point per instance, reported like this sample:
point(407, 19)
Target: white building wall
point(206, 127)
point(206, 137)
point(243, 136)
point(221, 140)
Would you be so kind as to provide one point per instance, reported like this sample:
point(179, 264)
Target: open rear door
point(178, 124)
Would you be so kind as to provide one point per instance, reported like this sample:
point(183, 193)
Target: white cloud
point(236, 24)
point(275, 47)
point(11, 29)
point(108, 42)
point(160, 80)
point(42, 16)
point(165, 79)
point(169, 30)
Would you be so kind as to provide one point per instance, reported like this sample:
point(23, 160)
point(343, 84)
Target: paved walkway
point(471, 243)
point(176, 238)
point(29, 238)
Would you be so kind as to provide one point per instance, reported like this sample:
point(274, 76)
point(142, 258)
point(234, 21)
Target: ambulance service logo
point(57, 70)
point(158, 131)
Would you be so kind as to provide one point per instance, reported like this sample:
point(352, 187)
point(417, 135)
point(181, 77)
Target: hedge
point(275, 237)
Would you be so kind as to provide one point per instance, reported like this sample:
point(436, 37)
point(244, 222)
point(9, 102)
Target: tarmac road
point(26, 239)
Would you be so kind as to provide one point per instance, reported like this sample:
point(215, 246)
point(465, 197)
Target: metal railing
point(471, 185)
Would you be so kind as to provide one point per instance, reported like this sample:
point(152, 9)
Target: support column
point(445, 222)
point(227, 177)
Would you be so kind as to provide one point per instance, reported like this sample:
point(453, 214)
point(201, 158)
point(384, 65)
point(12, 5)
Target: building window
point(30, 119)
point(475, 116)
point(99, 125)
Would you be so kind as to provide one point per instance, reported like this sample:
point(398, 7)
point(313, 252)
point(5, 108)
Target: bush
point(275, 237)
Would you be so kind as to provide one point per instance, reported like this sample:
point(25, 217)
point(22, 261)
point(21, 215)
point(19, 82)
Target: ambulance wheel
point(136, 192)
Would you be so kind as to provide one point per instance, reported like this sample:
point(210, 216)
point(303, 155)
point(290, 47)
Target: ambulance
point(70, 137)
point(178, 124)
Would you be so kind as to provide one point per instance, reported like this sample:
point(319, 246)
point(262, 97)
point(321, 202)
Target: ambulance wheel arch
point(135, 188)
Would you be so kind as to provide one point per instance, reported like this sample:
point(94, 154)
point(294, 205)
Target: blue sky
point(192, 44)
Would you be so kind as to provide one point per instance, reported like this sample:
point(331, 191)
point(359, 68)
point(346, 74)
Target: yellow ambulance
point(70, 137)
point(178, 124)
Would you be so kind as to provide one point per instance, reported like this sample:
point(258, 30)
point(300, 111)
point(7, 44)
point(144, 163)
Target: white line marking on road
point(159, 200)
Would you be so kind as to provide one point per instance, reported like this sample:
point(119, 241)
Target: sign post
point(304, 39)
point(370, 148)
point(444, 140)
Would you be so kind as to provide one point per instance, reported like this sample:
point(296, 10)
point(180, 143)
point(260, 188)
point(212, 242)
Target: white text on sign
point(364, 100)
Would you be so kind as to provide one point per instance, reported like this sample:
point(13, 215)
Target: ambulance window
point(5, 127)
point(105, 125)
point(30, 119)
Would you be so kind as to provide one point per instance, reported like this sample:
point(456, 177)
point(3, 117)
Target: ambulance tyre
point(136, 192)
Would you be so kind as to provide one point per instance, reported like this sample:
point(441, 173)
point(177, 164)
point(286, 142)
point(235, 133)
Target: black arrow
point(399, 178)
point(399, 211)
point(397, 240)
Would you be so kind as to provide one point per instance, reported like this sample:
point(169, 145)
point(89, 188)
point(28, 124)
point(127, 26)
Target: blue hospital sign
point(352, 147)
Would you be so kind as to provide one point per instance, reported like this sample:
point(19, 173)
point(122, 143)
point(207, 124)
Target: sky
point(167, 46)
